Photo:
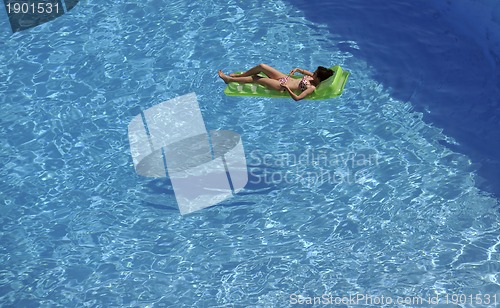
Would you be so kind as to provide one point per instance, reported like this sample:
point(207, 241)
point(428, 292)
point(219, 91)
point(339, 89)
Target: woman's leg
point(271, 72)
point(228, 79)
point(267, 82)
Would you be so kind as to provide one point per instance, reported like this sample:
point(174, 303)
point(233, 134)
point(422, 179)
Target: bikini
point(302, 84)
point(283, 80)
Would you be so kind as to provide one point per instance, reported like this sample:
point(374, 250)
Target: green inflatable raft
point(332, 87)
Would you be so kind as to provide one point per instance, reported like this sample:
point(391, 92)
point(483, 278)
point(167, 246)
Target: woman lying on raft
point(276, 80)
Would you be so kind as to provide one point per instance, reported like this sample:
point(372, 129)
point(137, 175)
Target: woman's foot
point(224, 76)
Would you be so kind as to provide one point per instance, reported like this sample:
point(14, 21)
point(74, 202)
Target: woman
point(276, 80)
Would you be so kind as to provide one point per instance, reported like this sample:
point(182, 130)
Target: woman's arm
point(303, 72)
point(302, 95)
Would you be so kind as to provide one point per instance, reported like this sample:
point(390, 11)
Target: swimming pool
point(361, 195)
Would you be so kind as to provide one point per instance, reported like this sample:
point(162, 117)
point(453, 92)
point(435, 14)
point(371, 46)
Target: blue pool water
point(388, 194)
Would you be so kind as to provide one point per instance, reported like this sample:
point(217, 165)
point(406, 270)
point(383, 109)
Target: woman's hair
point(323, 73)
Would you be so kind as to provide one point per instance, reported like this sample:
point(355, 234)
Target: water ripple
point(352, 195)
